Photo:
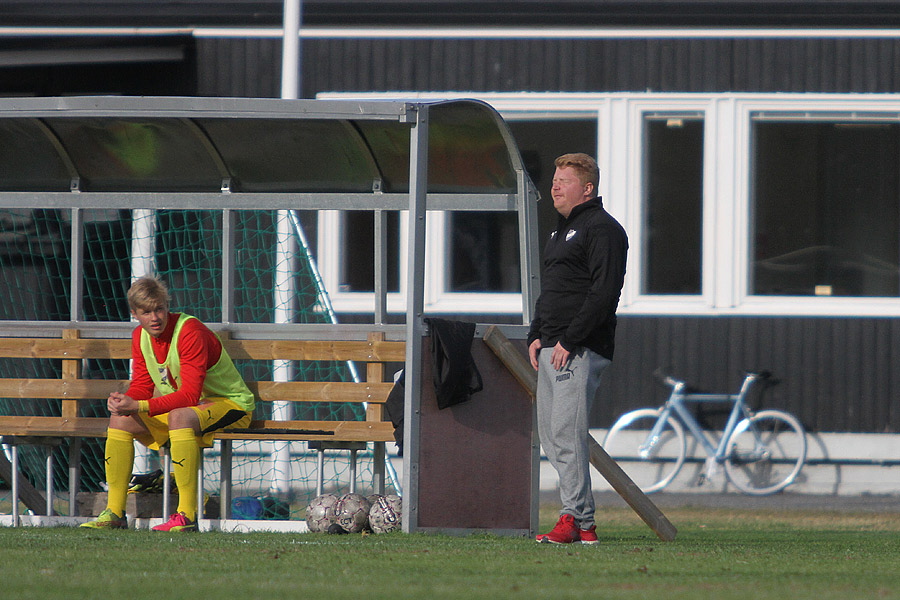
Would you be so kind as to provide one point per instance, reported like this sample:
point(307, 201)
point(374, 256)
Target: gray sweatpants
point(563, 405)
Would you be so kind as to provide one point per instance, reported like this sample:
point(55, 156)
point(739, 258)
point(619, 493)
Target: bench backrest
point(70, 388)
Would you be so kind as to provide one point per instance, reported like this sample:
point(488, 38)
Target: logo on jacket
point(164, 375)
point(570, 234)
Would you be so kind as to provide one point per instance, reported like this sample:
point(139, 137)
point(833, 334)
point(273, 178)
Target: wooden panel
point(64, 348)
point(316, 350)
point(238, 349)
point(351, 431)
point(53, 426)
point(347, 431)
point(375, 372)
point(316, 391)
point(90, 389)
point(293, 391)
point(71, 370)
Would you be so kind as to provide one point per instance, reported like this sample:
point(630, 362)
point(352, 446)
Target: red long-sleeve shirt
point(198, 350)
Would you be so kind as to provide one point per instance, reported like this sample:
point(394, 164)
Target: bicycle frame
point(761, 452)
point(676, 403)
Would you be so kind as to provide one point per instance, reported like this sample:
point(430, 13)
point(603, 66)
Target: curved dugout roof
point(211, 145)
point(267, 154)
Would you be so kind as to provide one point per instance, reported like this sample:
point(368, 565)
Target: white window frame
point(621, 151)
point(727, 154)
point(818, 108)
point(438, 298)
point(331, 235)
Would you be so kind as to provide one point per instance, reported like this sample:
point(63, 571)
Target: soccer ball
point(385, 515)
point(351, 512)
point(320, 512)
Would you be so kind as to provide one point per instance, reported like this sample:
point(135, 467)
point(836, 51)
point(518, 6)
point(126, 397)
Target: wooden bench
point(70, 390)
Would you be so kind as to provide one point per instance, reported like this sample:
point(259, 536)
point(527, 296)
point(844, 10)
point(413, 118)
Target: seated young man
point(199, 392)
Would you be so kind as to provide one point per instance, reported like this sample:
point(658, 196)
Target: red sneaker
point(177, 522)
point(565, 532)
point(589, 536)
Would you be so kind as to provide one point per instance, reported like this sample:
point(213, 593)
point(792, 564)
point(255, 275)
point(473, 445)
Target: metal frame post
point(415, 325)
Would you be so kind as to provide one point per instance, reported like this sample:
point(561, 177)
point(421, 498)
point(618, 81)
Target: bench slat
point(64, 348)
point(61, 389)
point(266, 391)
point(362, 351)
point(54, 426)
point(318, 391)
point(343, 431)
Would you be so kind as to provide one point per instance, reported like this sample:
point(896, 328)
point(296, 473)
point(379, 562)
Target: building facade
point(751, 149)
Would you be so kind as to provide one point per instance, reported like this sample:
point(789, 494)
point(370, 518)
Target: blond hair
point(585, 167)
point(148, 293)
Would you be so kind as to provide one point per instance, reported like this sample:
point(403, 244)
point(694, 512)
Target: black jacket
point(583, 273)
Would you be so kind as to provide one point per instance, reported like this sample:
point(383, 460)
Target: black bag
point(394, 408)
point(456, 376)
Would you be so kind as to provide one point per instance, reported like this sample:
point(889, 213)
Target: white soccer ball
point(351, 512)
point(320, 512)
point(386, 514)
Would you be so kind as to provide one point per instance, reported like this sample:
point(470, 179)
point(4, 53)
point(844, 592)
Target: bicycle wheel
point(651, 467)
point(766, 452)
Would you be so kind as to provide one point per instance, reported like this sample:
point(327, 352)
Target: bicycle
point(762, 452)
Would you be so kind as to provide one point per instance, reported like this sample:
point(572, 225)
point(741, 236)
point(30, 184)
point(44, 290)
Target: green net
point(185, 249)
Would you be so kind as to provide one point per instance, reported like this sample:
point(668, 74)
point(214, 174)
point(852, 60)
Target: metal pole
point(143, 262)
point(49, 482)
point(283, 370)
point(290, 51)
point(14, 450)
point(415, 325)
point(285, 254)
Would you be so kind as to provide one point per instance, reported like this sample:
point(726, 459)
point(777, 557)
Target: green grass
point(718, 554)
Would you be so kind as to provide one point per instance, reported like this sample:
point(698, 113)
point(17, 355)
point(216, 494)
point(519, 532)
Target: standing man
point(199, 392)
point(573, 333)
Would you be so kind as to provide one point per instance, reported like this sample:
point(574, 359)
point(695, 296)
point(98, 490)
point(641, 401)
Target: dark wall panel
point(239, 67)
point(837, 374)
point(459, 13)
point(252, 67)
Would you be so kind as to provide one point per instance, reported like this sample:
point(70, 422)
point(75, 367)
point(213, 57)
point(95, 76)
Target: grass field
point(721, 554)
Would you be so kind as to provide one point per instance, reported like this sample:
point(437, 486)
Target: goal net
point(185, 249)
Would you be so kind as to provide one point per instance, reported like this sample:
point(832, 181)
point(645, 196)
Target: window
point(345, 247)
point(472, 258)
point(484, 252)
point(826, 208)
point(673, 204)
point(541, 139)
point(358, 265)
point(768, 204)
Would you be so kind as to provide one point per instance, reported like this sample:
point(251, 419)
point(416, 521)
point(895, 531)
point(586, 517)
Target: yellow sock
point(119, 462)
point(185, 465)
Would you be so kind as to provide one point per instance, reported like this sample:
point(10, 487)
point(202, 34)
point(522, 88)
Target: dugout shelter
point(472, 467)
